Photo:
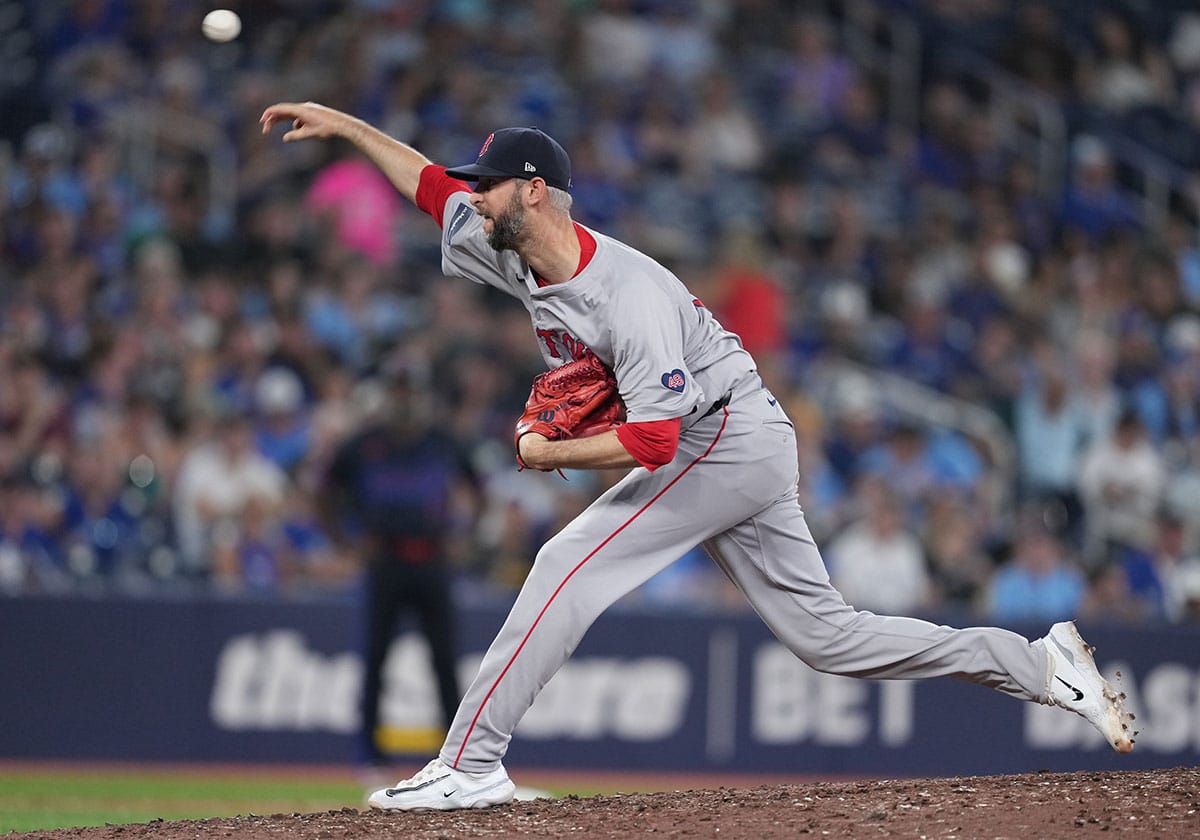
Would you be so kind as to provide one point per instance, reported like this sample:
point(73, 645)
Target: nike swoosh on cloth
point(394, 791)
point(1078, 693)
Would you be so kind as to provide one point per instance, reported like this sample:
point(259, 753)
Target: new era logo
point(529, 167)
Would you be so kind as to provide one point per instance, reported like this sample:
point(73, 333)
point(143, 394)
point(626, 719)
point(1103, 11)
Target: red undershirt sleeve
point(434, 190)
point(652, 443)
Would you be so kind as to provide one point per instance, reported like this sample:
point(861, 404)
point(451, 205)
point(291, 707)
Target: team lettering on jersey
point(571, 348)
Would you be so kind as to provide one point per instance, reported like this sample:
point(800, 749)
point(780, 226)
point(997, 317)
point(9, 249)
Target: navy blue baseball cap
point(519, 153)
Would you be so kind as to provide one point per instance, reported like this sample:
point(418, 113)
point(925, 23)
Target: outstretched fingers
point(304, 120)
point(272, 115)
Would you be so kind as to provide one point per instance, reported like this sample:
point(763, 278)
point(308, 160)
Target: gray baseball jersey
point(732, 487)
point(669, 354)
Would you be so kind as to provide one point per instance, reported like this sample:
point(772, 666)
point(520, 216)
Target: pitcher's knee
point(826, 662)
point(560, 576)
point(555, 558)
point(845, 642)
point(826, 650)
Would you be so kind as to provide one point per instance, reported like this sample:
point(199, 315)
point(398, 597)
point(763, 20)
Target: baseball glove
point(575, 400)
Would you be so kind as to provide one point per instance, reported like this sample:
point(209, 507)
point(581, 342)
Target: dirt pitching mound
point(1152, 803)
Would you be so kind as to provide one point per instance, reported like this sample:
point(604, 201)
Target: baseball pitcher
point(711, 455)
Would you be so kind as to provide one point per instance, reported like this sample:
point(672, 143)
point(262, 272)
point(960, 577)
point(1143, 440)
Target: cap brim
point(473, 172)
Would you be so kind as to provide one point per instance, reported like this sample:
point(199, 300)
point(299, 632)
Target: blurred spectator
point(1092, 368)
point(354, 313)
point(1170, 402)
point(959, 569)
point(1076, 299)
point(1152, 573)
point(64, 281)
point(507, 539)
point(996, 368)
point(1033, 211)
point(845, 332)
point(879, 547)
point(823, 494)
point(282, 426)
point(1121, 481)
point(339, 405)
point(30, 554)
point(219, 476)
point(1181, 240)
point(750, 301)
point(253, 554)
point(315, 560)
point(599, 195)
point(176, 211)
point(1139, 357)
point(857, 427)
point(617, 43)
point(1187, 589)
point(42, 180)
point(925, 464)
point(102, 514)
point(240, 361)
point(725, 140)
point(684, 49)
point(160, 307)
point(362, 208)
point(929, 351)
point(1038, 51)
point(294, 349)
point(278, 549)
point(943, 151)
point(33, 412)
point(14, 565)
point(1039, 582)
point(692, 583)
point(814, 75)
point(1124, 70)
point(1052, 435)
point(1093, 203)
point(661, 122)
point(1109, 598)
point(859, 120)
point(998, 275)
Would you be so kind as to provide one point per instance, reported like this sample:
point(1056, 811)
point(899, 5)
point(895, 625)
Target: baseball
point(221, 25)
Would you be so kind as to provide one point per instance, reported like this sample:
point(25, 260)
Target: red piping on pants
point(591, 554)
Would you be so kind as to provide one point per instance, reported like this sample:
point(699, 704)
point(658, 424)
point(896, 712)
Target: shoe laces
point(427, 773)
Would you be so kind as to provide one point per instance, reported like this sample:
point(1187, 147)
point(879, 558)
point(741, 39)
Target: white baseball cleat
point(1076, 684)
point(439, 787)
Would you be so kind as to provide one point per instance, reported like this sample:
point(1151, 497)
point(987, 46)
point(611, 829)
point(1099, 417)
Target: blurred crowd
point(193, 316)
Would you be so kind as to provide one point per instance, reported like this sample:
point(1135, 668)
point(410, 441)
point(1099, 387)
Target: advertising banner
point(280, 681)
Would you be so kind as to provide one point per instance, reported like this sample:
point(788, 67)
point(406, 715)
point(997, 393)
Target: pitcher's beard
point(507, 227)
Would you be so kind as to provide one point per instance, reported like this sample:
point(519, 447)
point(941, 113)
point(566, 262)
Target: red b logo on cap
point(487, 143)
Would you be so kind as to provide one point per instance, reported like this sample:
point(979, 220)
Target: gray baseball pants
point(732, 486)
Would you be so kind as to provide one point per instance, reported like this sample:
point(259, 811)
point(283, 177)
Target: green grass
point(40, 797)
point(32, 801)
